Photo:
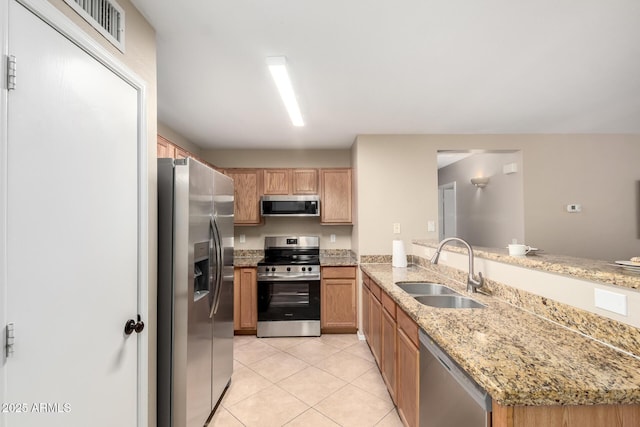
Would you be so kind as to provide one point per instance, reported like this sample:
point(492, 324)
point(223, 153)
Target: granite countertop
point(582, 268)
point(517, 357)
point(246, 261)
point(338, 261)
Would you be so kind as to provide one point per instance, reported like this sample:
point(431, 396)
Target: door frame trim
point(65, 26)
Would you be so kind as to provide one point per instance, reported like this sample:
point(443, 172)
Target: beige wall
point(278, 158)
point(492, 216)
point(397, 182)
point(140, 58)
point(178, 139)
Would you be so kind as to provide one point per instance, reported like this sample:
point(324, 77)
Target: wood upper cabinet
point(182, 154)
point(338, 300)
point(245, 299)
point(304, 181)
point(290, 181)
point(335, 196)
point(276, 181)
point(165, 148)
point(246, 190)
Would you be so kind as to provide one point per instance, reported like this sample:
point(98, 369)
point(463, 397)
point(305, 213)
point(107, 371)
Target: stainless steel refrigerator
point(195, 291)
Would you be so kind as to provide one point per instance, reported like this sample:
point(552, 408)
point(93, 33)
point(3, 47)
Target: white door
point(447, 210)
point(72, 235)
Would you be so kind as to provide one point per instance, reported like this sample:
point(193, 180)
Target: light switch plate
point(610, 301)
point(396, 228)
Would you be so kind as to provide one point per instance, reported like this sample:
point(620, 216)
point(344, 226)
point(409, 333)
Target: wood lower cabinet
point(245, 299)
point(366, 301)
point(393, 338)
point(335, 196)
point(246, 189)
point(375, 318)
point(338, 300)
point(566, 416)
point(408, 370)
point(388, 345)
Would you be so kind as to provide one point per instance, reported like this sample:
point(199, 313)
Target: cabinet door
point(304, 181)
point(335, 197)
point(245, 298)
point(181, 154)
point(338, 300)
point(276, 181)
point(408, 380)
point(388, 367)
point(165, 148)
point(366, 318)
point(246, 183)
point(375, 316)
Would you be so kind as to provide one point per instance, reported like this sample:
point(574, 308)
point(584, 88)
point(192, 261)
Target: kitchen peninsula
point(538, 371)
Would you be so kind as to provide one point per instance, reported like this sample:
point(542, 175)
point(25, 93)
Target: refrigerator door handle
point(218, 261)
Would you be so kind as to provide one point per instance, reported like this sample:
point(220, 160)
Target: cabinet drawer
point(389, 304)
point(409, 327)
point(366, 281)
point(375, 289)
point(338, 272)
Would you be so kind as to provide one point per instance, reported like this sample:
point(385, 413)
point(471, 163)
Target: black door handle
point(132, 326)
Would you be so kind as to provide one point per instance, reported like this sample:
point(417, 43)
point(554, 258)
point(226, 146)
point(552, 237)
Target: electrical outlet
point(332, 238)
point(610, 301)
point(396, 228)
point(431, 226)
point(243, 238)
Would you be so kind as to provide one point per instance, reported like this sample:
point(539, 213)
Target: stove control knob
point(309, 269)
point(273, 269)
point(288, 268)
point(304, 269)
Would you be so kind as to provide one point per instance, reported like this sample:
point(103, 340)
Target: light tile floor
point(330, 380)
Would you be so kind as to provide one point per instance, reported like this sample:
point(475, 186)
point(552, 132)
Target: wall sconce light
point(480, 182)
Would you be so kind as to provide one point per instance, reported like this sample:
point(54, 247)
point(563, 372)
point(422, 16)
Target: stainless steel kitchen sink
point(448, 301)
point(425, 288)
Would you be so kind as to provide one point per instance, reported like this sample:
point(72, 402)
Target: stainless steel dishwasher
point(448, 396)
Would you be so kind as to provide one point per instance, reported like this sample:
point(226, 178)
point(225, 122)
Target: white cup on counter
point(516, 249)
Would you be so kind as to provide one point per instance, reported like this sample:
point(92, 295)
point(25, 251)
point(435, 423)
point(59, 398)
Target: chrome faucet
point(472, 282)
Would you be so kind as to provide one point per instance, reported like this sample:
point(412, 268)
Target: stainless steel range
point(289, 287)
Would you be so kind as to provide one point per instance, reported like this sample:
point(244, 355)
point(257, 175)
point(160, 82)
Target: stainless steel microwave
point(290, 206)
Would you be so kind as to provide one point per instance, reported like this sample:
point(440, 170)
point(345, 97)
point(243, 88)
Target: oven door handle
point(276, 278)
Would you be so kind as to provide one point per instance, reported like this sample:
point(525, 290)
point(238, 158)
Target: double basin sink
point(437, 295)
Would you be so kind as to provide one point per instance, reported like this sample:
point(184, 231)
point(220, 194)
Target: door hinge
point(9, 339)
point(11, 72)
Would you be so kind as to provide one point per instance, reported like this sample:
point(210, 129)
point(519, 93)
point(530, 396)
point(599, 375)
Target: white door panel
point(72, 235)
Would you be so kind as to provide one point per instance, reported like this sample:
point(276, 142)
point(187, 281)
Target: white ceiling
point(401, 66)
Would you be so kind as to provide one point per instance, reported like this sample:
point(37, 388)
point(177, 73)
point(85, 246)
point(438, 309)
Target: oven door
point(288, 300)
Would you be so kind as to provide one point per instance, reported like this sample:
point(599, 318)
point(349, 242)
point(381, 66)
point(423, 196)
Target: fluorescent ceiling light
point(278, 67)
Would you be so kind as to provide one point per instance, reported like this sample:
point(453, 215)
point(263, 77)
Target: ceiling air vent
point(106, 16)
